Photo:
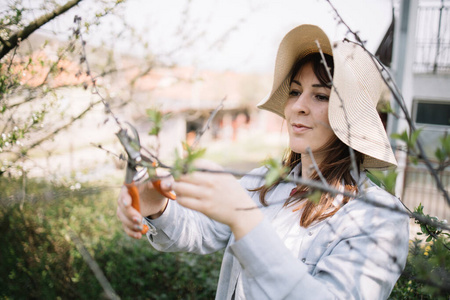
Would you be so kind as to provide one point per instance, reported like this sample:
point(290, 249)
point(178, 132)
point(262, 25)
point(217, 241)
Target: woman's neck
point(309, 165)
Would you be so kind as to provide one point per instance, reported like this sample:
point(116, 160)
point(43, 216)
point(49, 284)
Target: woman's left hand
point(218, 196)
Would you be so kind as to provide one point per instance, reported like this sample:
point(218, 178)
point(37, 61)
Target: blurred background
point(183, 58)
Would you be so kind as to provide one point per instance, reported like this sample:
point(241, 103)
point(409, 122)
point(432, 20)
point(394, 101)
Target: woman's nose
point(300, 104)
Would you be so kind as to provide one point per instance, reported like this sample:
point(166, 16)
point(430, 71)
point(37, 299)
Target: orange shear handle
point(157, 186)
point(135, 202)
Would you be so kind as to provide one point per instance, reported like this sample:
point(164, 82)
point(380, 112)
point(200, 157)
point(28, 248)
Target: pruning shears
point(135, 159)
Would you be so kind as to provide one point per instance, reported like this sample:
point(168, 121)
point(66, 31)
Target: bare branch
point(208, 123)
point(93, 265)
point(316, 167)
point(54, 132)
point(14, 39)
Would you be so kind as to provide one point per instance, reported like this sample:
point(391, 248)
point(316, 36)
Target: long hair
point(335, 167)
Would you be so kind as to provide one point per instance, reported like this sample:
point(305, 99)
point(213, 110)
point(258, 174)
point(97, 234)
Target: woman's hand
point(152, 204)
point(218, 196)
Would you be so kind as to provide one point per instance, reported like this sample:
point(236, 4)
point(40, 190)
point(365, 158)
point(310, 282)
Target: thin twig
point(316, 167)
point(332, 191)
point(95, 268)
point(208, 123)
point(95, 89)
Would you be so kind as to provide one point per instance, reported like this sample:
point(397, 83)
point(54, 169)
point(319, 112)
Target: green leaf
point(385, 108)
point(445, 141)
point(154, 131)
point(403, 136)
point(183, 165)
point(271, 177)
point(156, 117)
point(440, 155)
point(410, 139)
point(413, 137)
point(315, 196)
point(385, 179)
point(275, 172)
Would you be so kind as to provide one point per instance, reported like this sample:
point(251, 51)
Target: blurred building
point(417, 49)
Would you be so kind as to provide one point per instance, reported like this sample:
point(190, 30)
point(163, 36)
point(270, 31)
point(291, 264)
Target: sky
point(258, 27)
point(261, 24)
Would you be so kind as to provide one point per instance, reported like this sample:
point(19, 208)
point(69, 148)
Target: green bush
point(39, 260)
point(427, 272)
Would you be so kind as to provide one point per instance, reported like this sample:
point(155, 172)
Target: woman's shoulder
point(376, 203)
point(377, 196)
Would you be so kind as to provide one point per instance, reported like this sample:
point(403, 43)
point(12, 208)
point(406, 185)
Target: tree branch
point(54, 132)
point(21, 35)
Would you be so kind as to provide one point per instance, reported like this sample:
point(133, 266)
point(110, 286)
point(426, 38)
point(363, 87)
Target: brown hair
point(335, 167)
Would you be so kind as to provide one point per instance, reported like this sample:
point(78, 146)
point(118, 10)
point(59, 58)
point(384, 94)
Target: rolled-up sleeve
point(359, 254)
point(182, 229)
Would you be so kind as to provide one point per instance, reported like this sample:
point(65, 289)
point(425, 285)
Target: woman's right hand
point(152, 205)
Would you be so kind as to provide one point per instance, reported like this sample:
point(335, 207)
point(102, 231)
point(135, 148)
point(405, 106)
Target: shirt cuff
point(163, 225)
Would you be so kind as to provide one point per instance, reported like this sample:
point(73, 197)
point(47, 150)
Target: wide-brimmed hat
point(357, 87)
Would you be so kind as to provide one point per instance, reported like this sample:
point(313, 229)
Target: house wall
point(414, 183)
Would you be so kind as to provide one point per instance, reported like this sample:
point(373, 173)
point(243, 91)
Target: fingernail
point(138, 227)
point(136, 220)
point(126, 202)
point(167, 185)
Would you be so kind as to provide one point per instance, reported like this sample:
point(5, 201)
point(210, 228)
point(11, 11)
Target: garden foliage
point(39, 259)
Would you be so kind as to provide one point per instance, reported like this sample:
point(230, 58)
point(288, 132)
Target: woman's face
point(306, 113)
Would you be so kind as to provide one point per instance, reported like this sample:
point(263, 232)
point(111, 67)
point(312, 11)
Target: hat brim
point(357, 86)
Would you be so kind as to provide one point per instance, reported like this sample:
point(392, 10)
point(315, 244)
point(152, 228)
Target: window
point(432, 113)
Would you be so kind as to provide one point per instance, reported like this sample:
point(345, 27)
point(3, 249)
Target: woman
point(292, 247)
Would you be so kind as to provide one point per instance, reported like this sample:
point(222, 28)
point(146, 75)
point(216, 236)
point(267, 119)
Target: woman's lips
point(299, 128)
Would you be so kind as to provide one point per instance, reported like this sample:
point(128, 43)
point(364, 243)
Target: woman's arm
point(362, 261)
point(186, 230)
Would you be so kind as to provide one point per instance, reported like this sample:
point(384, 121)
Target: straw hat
point(357, 86)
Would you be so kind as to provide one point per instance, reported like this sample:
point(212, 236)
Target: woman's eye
point(322, 97)
point(294, 93)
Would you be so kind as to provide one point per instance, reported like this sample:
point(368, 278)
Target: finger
point(131, 223)
point(207, 164)
point(193, 190)
point(134, 234)
point(124, 200)
point(200, 178)
point(125, 208)
point(192, 203)
point(166, 184)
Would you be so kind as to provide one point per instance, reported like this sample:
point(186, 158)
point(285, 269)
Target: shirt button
point(310, 233)
point(303, 259)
